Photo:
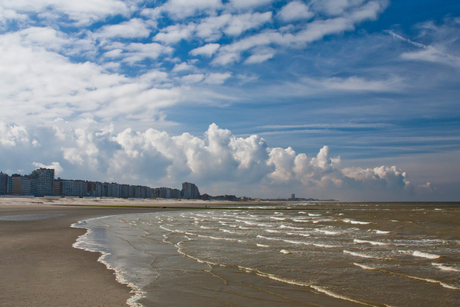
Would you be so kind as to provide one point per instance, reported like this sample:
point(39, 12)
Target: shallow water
point(301, 255)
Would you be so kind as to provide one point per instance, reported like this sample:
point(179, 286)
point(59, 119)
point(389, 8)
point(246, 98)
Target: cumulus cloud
point(219, 157)
point(193, 78)
point(182, 8)
point(294, 11)
point(81, 12)
point(38, 83)
point(240, 23)
point(175, 33)
point(129, 29)
point(206, 50)
point(244, 4)
point(54, 165)
point(183, 67)
point(11, 135)
point(217, 78)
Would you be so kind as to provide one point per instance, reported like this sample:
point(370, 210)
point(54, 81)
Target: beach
point(177, 253)
point(39, 266)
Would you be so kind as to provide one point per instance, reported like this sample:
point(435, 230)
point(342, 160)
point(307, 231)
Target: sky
point(356, 100)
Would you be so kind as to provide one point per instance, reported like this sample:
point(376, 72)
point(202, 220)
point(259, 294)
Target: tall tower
point(43, 181)
point(3, 183)
point(190, 191)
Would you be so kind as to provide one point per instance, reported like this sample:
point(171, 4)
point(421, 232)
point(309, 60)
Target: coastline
point(38, 263)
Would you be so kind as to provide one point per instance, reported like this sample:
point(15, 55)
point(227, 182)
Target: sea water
point(299, 254)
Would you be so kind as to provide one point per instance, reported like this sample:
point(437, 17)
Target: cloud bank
point(154, 157)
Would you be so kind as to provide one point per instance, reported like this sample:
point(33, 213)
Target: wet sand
point(39, 266)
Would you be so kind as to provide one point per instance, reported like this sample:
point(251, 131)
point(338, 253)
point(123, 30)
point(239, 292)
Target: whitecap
point(262, 245)
point(359, 254)
point(364, 266)
point(357, 241)
point(445, 268)
point(324, 245)
point(283, 251)
point(355, 222)
point(425, 255)
point(328, 232)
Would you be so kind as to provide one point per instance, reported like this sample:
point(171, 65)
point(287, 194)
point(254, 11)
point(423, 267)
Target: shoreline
point(39, 265)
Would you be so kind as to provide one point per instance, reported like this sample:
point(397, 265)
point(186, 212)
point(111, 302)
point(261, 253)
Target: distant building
point(3, 183)
point(42, 182)
point(293, 196)
point(190, 191)
point(26, 186)
point(175, 193)
point(15, 184)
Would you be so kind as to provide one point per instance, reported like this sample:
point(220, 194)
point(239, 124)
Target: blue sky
point(346, 99)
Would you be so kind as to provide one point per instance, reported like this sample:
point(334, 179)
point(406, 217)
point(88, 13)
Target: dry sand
point(39, 266)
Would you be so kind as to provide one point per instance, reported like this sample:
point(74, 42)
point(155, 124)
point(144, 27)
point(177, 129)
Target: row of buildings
point(41, 182)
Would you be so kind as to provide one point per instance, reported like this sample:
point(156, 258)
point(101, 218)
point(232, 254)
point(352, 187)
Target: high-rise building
point(42, 182)
point(15, 184)
point(190, 191)
point(3, 183)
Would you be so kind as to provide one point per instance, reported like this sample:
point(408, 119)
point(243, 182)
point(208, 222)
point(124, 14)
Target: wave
point(355, 222)
point(316, 288)
point(301, 221)
point(328, 232)
point(445, 268)
point(84, 242)
point(425, 255)
point(429, 280)
point(324, 245)
point(357, 241)
point(262, 245)
point(359, 255)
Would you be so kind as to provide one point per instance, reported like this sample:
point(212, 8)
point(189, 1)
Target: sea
point(284, 254)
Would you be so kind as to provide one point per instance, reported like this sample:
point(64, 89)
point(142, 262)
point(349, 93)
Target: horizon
point(327, 99)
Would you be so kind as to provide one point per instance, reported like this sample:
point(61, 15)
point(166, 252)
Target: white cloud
point(355, 84)
point(294, 11)
point(54, 165)
point(183, 8)
point(11, 135)
point(38, 83)
point(193, 78)
point(260, 56)
point(132, 28)
point(336, 7)
point(242, 4)
point(210, 28)
point(183, 67)
point(175, 33)
point(431, 54)
point(219, 158)
point(82, 12)
point(217, 78)
point(206, 50)
point(136, 52)
point(240, 23)
point(388, 177)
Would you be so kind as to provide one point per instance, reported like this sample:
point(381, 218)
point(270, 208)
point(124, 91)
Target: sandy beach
point(39, 266)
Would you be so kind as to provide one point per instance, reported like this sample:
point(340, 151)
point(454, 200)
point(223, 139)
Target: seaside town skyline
point(351, 100)
point(42, 183)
